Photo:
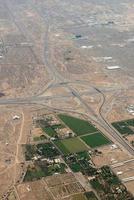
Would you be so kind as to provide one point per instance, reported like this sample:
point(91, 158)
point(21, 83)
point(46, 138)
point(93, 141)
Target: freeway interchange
point(58, 80)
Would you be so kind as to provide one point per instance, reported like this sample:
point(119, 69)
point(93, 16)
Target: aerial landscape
point(66, 100)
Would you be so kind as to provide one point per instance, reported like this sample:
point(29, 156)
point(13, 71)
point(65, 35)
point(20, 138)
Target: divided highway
point(57, 78)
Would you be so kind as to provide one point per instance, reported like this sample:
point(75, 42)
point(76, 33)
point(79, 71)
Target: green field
point(34, 174)
point(78, 126)
point(95, 140)
point(49, 131)
point(125, 127)
point(72, 145)
point(79, 162)
point(46, 150)
point(40, 170)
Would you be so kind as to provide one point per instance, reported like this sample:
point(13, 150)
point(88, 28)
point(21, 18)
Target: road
point(57, 79)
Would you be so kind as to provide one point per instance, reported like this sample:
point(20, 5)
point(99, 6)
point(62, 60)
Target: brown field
point(13, 133)
point(37, 191)
point(110, 156)
point(55, 187)
point(130, 186)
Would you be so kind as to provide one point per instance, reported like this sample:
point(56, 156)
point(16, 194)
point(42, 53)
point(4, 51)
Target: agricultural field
point(41, 169)
point(78, 126)
point(125, 127)
point(108, 185)
point(47, 127)
point(81, 162)
point(54, 128)
point(46, 150)
point(67, 65)
point(95, 140)
point(71, 145)
point(33, 173)
point(49, 131)
point(65, 139)
point(45, 161)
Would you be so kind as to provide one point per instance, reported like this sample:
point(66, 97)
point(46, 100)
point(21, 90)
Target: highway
point(43, 98)
point(58, 79)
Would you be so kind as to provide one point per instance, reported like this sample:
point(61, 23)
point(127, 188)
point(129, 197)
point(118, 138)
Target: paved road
point(57, 78)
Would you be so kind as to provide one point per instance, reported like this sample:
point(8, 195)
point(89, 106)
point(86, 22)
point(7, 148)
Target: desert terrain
point(72, 58)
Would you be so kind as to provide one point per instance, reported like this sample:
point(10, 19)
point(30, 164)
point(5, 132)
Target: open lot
point(57, 187)
point(109, 156)
point(71, 145)
point(10, 131)
point(125, 171)
point(34, 191)
point(78, 126)
point(130, 186)
point(95, 140)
